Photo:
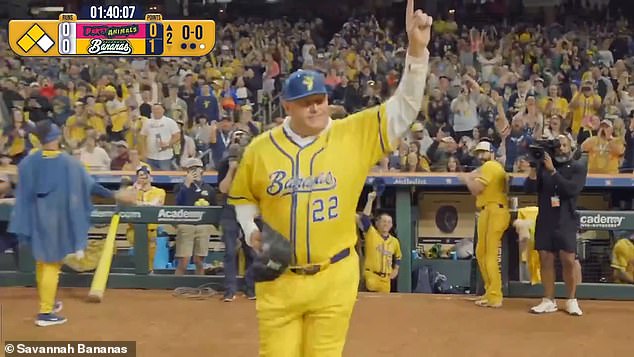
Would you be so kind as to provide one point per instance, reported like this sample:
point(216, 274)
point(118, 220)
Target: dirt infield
point(432, 325)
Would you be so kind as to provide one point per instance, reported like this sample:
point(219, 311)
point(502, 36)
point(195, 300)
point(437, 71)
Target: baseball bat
point(100, 278)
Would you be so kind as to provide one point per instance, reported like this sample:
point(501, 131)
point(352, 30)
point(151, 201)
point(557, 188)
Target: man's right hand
point(372, 196)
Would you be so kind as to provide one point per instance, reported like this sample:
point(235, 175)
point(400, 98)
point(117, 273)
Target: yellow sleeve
point(619, 258)
point(368, 133)
point(161, 196)
point(487, 173)
point(397, 250)
point(241, 191)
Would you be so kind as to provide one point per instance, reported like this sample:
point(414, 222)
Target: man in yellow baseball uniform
point(304, 179)
point(147, 195)
point(623, 260)
point(382, 250)
point(489, 184)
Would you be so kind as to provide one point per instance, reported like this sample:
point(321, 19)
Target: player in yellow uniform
point(489, 184)
point(382, 250)
point(623, 260)
point(147, 195)
point(304, 178)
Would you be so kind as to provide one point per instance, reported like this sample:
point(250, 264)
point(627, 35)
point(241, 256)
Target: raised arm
point(403, 107)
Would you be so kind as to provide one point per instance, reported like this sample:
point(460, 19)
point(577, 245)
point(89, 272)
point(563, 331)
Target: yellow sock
point(47, 275)
point(150, 255)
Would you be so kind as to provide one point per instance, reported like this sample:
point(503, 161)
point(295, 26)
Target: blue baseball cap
point(303, 83)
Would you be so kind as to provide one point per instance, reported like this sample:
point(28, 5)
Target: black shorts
point(555, 241)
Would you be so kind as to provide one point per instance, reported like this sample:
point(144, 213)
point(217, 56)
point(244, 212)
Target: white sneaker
point(545, 306)
point(572, 307)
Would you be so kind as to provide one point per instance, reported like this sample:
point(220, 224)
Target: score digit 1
point(154, 39)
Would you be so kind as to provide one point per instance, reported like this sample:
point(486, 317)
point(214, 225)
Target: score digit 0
point(67, 38)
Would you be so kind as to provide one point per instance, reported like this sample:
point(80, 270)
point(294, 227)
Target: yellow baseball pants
point(376, 283)
point(307, 315)
point(492, 223)
point(47, 279)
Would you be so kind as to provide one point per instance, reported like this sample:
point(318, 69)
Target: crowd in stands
point(512, 84)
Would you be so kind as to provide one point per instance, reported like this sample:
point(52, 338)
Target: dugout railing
point(588, 220)
point(134, 277)
point(401, 188)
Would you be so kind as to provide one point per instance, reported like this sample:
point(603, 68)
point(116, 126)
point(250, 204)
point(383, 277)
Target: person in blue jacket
point(52, 213)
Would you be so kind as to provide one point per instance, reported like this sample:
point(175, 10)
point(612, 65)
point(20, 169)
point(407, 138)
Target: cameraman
point(558, 182)
point(231, 231)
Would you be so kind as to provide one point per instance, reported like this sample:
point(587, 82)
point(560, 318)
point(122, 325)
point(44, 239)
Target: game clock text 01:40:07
point(110, 12)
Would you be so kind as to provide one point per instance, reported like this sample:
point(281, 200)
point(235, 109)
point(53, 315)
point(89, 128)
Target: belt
point(382, 275)
point(485, 206)
point(316, 268)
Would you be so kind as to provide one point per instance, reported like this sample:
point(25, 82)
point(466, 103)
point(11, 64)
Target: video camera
point(538, 150)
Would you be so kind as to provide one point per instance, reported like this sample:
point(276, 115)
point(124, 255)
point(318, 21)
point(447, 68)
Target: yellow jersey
point(154, 195)
point(600, 158)
point(623, 256)
point(495, 181)
point(309, 194)
point(584, 109)
point(381, 253)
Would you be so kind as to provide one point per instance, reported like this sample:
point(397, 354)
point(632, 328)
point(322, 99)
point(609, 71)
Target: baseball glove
point(274, 256)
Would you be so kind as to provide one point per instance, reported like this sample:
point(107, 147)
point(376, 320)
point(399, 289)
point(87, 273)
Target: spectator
point(147, 195)
point(186, 148)
point(220, 138)
point(465, 108)
point(584, 103)
point(160, 134)
point(207, 105)
point(94, 157)
point(628, 162)
point(134, 161)
point(604, 150)
point(122, 155)
point(193, 239)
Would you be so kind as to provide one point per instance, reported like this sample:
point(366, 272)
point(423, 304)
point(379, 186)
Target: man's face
point(157, 111)
point(309, 115)
point(564, 148)
point(143, 178)
point(205, 90)
point(587, 90)
point(552, 91)
point(484, 155)
point(384, 224)
point(226, 125)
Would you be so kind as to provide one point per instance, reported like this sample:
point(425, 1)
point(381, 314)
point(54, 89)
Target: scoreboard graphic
point(70, 37)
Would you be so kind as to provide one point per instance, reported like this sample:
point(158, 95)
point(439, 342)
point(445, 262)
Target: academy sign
point(601, 221)
point(180, 215)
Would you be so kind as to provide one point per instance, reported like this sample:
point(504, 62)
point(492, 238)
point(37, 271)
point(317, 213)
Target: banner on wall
point(452, 215)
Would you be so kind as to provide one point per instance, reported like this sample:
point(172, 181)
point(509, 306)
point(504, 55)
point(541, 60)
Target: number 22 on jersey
point(324, 209)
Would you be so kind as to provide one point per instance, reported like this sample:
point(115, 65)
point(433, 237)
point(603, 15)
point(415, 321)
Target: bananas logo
point(309, 82)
